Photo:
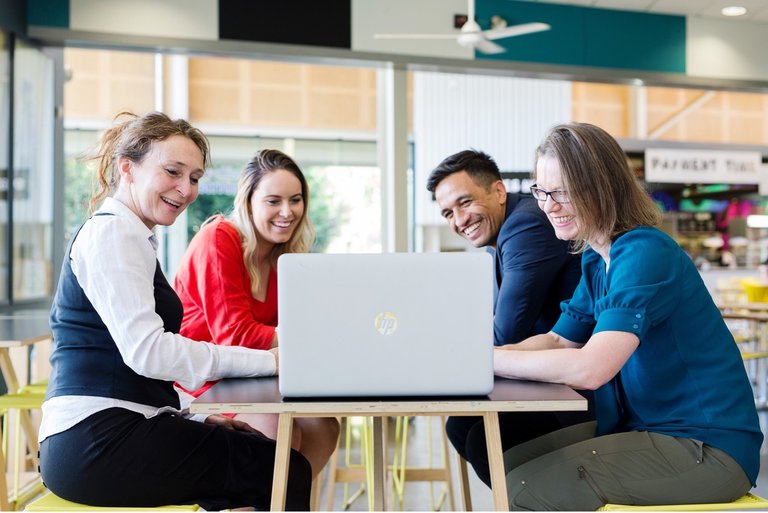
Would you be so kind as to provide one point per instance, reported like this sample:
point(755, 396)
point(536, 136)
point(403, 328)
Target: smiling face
point(164, 183)
point(277, 207)
point(562, 215)
point(473, 211)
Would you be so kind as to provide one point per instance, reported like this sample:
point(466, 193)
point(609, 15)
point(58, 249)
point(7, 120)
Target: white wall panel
point(408, 16)
point(504, 117)
point(723, 49)
point(186, 19)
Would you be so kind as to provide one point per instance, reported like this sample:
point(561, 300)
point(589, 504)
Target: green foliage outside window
point(78, 187)
point(327, 214)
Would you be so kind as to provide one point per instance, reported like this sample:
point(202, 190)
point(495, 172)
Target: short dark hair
point(480, 167)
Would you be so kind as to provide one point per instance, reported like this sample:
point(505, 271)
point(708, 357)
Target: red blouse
point(215, 290)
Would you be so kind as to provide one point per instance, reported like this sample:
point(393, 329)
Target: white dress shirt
point(114, 259)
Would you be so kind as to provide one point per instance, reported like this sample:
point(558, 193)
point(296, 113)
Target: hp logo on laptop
point(385, 323)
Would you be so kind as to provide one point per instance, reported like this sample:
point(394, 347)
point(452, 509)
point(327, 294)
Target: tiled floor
point(418, 496)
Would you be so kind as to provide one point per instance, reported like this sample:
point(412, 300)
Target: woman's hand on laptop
point(277, 361)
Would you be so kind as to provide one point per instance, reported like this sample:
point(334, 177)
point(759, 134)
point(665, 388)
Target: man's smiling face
point(473, 211)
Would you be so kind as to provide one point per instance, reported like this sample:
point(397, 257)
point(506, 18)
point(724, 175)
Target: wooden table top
point(262, 395)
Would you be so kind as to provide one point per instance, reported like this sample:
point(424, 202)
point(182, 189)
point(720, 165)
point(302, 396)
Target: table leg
point(282, 458)
point(496, 461)
point(314, 497)
point(447, 466)
point(465, 498)
point(379, 464)
point(332, 466)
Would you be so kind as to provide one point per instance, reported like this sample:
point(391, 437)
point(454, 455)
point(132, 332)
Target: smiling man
point(534, 272)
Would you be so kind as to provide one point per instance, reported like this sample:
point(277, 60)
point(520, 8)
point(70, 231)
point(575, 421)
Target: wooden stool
point(350, 472)
point(39, 387)
point(24, 455)
point(401, 472)
point(749, 501)
point(362, 472)
point(50, 502)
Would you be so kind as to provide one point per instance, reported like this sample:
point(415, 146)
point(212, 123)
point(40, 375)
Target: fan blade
point(516, 30)
point(415, 36)
point(485, 46)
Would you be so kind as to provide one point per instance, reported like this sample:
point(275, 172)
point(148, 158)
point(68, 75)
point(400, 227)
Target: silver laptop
point(397, 324)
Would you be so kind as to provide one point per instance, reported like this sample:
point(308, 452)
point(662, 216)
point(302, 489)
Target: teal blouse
point(686, 378)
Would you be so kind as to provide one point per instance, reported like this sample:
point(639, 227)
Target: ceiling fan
point(472, 36)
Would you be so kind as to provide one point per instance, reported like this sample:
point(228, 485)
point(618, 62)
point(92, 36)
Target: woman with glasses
point(676, 419)
point(533, 273)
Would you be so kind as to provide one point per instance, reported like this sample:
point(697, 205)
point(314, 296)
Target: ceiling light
point(733, 10)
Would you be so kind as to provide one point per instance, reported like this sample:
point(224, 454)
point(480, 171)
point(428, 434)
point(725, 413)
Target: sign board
point(702, 166)
point(762, 189)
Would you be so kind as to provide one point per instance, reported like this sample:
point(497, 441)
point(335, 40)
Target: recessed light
point(733, 10)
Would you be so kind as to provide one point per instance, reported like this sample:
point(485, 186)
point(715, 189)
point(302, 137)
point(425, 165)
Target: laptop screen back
point(397, 324)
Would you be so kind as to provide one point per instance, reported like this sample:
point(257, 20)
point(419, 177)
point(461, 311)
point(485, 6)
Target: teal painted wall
point(580, 36)
point(583, 36)
point(48, 13)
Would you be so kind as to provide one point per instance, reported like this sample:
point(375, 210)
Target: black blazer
point(534, 272)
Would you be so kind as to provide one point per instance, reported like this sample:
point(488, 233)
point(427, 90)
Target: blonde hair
point(133, 138)
point(604, 191)
point(302, 238)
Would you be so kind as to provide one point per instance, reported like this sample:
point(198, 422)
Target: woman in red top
point(228, 285)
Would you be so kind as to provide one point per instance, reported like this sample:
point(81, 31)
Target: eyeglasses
point(557, 196)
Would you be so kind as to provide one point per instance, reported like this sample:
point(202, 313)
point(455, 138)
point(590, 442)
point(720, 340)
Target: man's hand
point(234, 424)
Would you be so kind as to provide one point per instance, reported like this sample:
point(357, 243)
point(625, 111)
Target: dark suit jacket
point(534, 272)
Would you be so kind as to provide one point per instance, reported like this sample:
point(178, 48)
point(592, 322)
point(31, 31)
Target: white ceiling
point(757, 10)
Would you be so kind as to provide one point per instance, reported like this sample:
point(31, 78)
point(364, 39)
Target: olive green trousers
point(572, 470)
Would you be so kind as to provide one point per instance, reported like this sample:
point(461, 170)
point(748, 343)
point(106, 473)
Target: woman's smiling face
point(563, 216)
point(164, 183)
point(277, 207)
